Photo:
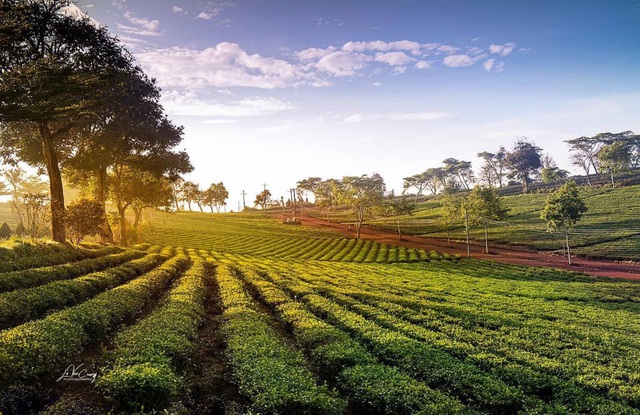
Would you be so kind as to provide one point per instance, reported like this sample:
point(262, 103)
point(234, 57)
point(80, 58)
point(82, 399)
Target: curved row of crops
point(34, 349)
point(266, 238)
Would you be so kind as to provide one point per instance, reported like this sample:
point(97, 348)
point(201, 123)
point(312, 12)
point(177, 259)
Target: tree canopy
point(524, 161)
point(563, 209)
point(364, 195)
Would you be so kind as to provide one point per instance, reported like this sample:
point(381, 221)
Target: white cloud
point(189, 104)
point(394, 58)
point(420, 116)
point(219, 121)
point(341, 63)
point(326, 22)
point(502, 50)
point(490, 65)
point(225, 65)
point(380, 46)
point(353, 119)
point(423, 65)
point(410, 116)
point(377, 84)
point(146, 24)
point(458, 61)
point(178, 10)
point(314, 53)
point(142, 26)
point(205, 16)
point(74, 11)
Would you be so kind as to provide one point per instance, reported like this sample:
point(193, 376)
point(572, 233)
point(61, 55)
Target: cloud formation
point(141, 26)
point(502, 50)
point(409, 116)
point(228, 65)
point(225, 65)
point(458, 61)
point(189, 104)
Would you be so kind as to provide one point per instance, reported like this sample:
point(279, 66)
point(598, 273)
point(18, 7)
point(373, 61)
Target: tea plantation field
point(609, 229)
point(238, 314)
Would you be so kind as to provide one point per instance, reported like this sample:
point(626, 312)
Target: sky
point(271, 92)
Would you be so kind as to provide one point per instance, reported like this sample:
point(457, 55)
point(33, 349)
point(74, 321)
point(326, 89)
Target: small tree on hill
point(564, 209)
point(5, 231)
point(84, 217)
point(487, 207)
point(20, 231)
point(263, 199)
point(364, 195)
point(450, 212)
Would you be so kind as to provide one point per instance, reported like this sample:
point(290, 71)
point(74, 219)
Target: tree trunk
point(589, 180)
point(399, 233)
point(568, 248)
point(466, 227)
point(613, 184)
point(525, 185)
point(101, 196)
point(358, 226)
point(486, 239)
point(55, 184)
point(123, 225)
point(200, 206)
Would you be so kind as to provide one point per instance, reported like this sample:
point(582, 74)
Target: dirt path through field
point(503, 254)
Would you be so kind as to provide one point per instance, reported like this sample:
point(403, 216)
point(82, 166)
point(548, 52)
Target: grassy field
point(609, 229)
point(239, 314)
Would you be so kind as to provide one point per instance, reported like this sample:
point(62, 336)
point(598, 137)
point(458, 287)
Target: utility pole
point(293, 201)
point(244, 205)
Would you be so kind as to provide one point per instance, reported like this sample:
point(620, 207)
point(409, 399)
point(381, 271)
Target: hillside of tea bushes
point(240, 314)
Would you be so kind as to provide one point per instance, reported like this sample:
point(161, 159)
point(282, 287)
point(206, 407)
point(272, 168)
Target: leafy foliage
point(523, 161)
point(564, 207)
point(84, 217)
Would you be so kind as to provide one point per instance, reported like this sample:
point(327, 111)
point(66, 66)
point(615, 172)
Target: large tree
point(418, 181)
point(190, 193)
point(563, 209)
point(493, 170)
point(121, 132)
point(57, 71)
point(614, 158)
point(459, 171)
point(216, 195)
point(309, 184)
point(263, 199)
point(364, 195)
point(524, 161)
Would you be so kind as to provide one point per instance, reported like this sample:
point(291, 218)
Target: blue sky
point(276, 91)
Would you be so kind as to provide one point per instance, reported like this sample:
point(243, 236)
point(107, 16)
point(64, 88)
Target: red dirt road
point(600, 268)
